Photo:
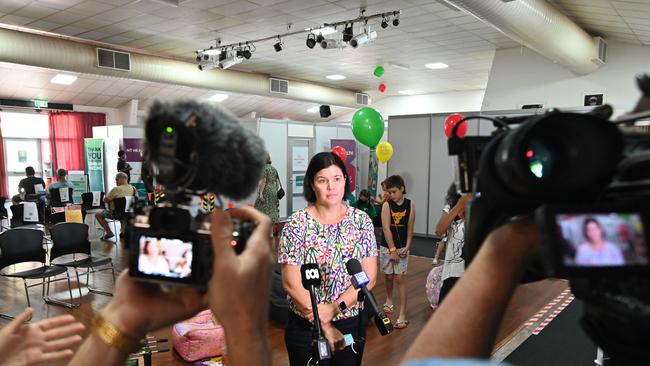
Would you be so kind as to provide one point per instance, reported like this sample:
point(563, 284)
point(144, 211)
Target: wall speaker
point(325, 111)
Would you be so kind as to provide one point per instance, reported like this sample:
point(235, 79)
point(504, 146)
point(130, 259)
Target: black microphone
point(310, 274)
point(203, 148)
point(359, 281)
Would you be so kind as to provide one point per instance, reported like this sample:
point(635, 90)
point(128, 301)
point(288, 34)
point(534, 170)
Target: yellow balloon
point(384, 151)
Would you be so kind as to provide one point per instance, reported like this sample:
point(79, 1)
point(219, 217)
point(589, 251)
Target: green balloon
point(368, 126)
point(379, 71)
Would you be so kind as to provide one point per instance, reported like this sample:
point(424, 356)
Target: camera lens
point(540, 159)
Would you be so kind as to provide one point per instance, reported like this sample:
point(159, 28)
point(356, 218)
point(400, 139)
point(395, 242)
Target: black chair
point(87, 201)
point(117, 214)
point(4, 215)
point(26, 245)
point(72, 238)
point(55, 197)
point(17, 215)
point(56, 217)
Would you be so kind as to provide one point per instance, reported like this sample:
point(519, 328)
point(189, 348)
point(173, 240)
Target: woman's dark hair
point(145, 250)
point(319, 162)
point(452, 196)
point(590, 220)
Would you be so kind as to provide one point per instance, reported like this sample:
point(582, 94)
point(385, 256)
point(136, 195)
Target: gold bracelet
point(113, 336)
point(392, 250)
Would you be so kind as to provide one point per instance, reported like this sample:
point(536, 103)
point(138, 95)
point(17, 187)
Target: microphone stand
point(361, 339)
point(319, 342)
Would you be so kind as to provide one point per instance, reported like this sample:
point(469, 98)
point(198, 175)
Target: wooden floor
point(387, 350)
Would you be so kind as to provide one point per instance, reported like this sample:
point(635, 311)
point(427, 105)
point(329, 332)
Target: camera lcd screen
point(170, 258)
point(602, 240)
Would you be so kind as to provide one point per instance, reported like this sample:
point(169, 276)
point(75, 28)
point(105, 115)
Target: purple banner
point(133, 150)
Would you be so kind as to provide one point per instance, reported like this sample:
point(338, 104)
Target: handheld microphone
point(310, 274)
point(359, 281)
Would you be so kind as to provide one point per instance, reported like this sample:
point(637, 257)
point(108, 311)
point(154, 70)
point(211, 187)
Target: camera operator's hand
point(137, 308)
point(240, 288)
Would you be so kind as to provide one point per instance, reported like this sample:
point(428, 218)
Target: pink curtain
point(67, 133)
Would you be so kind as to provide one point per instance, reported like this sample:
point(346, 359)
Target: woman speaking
point(327, 233)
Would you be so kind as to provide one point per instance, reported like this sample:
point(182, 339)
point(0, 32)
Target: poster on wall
point(298, 183)
point(350, 147)
point(79, 182)
point(300, 157)
point(133, 150)
point(94, 154)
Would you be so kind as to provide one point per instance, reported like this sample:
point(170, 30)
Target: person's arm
point(260, 191)
point(388, 236)
point(292, 284)
point(43, 342)
point(474, 308)
point(373, 210)
point(409, 230)
point(448, 217)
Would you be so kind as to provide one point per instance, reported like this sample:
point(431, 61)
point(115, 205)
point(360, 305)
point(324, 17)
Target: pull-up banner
point(94, 152)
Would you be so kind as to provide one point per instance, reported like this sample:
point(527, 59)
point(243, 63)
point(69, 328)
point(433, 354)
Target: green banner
point(79, 182)
point(94, 152)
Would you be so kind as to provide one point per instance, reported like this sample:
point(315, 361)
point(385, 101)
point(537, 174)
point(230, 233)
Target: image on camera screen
point(165, 257)
point(602, 240)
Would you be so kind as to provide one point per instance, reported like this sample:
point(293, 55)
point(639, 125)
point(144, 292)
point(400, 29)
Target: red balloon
point(340, 152)
point(451, 121)
point(382, 87)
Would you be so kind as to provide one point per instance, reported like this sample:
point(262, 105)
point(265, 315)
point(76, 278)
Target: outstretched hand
point(43, 342)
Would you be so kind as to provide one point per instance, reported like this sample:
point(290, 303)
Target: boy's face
point(363, 198)
point(396, 194)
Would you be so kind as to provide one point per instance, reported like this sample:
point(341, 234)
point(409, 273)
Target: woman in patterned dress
point(267, 194)
point(328, 233)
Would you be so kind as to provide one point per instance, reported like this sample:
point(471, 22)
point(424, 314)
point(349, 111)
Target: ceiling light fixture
point(63, 79)
point(436, 66)
point(329, 44)
point(314, 109)
point(325, 31)
point(205, 66)
point(384, 22)
point(396, 21)
point(278, 45)
point(406, 92)
point(311, 40)
point(219, 97)
point(363, 38)
point(348, 32)
point(229, 62)
point(336, 77)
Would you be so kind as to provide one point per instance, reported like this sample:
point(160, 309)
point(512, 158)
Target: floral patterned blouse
point(305, 240)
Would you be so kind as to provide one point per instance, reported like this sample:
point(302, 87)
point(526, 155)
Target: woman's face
point(153, 248)
point(594, 234)
point(329, 185)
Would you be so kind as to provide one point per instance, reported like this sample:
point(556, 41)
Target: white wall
point(113, 115)
point(521, 76)
point(425, 104)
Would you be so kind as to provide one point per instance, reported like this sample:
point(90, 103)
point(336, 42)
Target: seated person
point(364, 204)
point(28, 186)
point(123, 189)
point(61, 182)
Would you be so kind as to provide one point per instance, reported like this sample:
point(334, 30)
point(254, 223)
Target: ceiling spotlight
point(396, 21)
point(205, 66)
point(244, 53)
point(384, 23)
point(278, 45)
point(198, 58)
point(206, 57)
point(363, 38)
point(311, 40)
point(223, 55)
point(320, 38)
point(325, 31)
point(211, 51)
point(229, 62)
point(348, 33)
point(328, 44)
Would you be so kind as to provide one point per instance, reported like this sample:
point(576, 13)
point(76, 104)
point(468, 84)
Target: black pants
point(298, 336)
point(447, 285)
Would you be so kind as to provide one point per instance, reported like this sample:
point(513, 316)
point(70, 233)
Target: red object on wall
point(67, 133)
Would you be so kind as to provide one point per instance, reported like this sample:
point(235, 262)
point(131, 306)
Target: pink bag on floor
point(433, 285)
point(199, 337)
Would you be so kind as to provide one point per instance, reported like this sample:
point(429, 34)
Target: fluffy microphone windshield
point(229, 157)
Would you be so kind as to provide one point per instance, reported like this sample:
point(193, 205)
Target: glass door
point(300, 151)
point(19, 154)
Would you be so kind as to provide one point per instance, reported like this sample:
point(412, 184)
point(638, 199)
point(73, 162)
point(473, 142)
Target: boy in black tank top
point(397, 217)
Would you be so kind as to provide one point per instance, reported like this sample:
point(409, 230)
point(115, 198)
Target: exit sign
point(40, 103)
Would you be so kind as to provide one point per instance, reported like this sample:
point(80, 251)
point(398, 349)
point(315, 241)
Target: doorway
point(19, 154)
point(300, 151)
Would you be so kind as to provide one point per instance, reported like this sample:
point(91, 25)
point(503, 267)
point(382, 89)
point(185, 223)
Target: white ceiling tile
point(15, 20)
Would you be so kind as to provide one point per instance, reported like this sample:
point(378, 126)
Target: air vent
point(601, 46)
point(279, 86)
point(362, 99)
point(115, 60)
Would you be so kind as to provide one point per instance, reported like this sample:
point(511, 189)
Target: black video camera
point(587, 181)
point(191, 149)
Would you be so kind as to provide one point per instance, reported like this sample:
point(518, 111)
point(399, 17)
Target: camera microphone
point(310, 274)
point(202, 148)
point(359, 281)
